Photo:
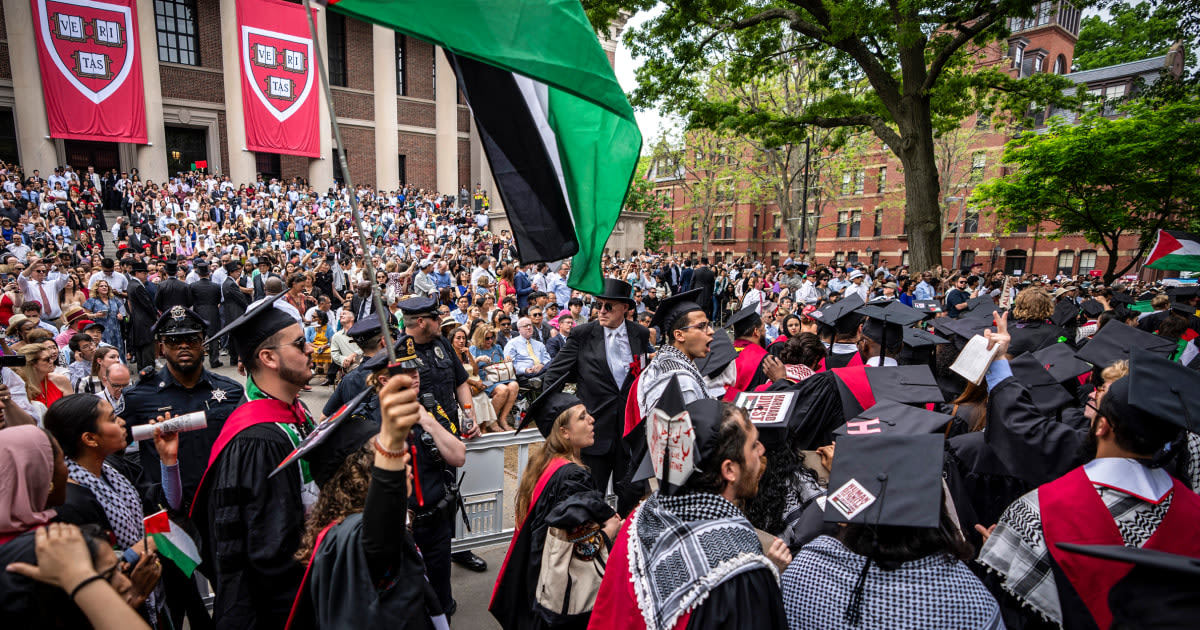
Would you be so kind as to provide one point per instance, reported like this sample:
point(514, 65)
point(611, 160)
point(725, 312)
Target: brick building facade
point(395, 97)
point(860, 214)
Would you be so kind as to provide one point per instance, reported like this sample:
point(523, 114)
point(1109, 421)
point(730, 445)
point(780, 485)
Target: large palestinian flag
point(557, 128)
point(1175, 251)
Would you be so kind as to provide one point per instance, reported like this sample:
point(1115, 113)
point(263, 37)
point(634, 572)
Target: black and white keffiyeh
point(120, 500)
point(936, 591)
point(669, 362)
point(682, 547)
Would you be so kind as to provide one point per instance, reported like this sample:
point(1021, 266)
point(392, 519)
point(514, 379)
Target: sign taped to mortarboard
point(769, 411)
point(674, 432)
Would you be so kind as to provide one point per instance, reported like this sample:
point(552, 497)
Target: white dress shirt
point(616, 349)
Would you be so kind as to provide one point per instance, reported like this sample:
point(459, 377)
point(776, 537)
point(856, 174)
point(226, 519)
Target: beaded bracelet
point(386, 453)
point(79, 587)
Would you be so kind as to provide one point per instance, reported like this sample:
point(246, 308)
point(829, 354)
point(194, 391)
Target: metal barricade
point(483, 488)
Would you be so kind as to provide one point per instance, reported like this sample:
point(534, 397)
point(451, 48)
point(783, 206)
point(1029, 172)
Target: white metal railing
point(483, 488)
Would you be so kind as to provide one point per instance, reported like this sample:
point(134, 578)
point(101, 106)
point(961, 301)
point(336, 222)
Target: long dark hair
point(890, 546)
point(765, 510)
point(69, 418)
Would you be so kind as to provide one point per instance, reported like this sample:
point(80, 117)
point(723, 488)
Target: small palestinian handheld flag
point(173, 543)
point(557, 129)
point(1175, 251)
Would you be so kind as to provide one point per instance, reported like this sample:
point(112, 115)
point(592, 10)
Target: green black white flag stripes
point(566, 151)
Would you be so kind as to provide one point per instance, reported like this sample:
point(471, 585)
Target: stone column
point(241, 168)
point(29, 110)
point(446, 121)
point(320, 171)
point(151, 158)
point(387, 143)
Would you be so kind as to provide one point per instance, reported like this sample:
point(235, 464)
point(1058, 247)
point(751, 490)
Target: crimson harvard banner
point(279, 78)
point(91, 69)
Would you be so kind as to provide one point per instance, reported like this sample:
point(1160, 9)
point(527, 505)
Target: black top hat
point(617, 290)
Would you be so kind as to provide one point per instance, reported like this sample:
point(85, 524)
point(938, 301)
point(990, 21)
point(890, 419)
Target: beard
point(747, 486)
point(1091, 444)
point(299, 378)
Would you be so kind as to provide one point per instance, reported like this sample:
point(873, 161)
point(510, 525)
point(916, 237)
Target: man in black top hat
point(235, 299)
point(142, 316)
point(603, 358)
point(206, 296)
point(171, 290)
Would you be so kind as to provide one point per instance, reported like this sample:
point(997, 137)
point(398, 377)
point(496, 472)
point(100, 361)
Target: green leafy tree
point(1109, 180)
point(1131, 32)
point(920, 60)
point(641, 198)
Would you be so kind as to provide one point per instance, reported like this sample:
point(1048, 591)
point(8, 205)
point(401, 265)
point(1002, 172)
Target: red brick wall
point(464, 119)
point(208, 23)
point(224, 140)
point(353, 104)
point(464, 166)
point(291, 166)
point(421, 162)
point(360, 66)
point(5, 65)
point(419, 73)
point(192, 84)
point(360, 143)
point(415, 114)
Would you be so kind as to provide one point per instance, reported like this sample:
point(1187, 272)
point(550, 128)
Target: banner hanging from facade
point(91, 69)
point(279, 78)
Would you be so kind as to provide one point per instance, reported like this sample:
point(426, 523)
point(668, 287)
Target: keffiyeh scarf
point(120, 500)
point(682, 547)
point(670, 361)
point(1017, 549)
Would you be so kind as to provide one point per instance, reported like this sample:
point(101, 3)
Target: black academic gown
point(818, 410)
point(251, 527)
point(1037, 449)
point(980, 484)
point(29, 605)
point(513, 600)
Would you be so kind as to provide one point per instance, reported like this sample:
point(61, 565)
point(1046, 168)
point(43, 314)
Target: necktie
point(533, 355)
point(45, 300)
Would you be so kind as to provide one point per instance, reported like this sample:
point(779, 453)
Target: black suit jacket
point(142, 314)
point(585, 362)
point(172, 292)
point(703, 279)
point(206, 300)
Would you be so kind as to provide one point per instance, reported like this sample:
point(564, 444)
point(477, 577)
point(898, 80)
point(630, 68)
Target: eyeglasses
point(607, 306)
point(706, 326)
point(487, 337)
point(298, 344)
point(181, 340)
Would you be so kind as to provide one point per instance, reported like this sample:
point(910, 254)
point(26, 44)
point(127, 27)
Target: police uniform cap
point(406, 356)
point(548, 407)
point(674, 307)
point(256, 325)
point(365, 328)
point(178, 320)
point(889, 417)
point(887, 479)
point(1115, 341)
point(420, 307)
point(744, 320)
point(1060, 361)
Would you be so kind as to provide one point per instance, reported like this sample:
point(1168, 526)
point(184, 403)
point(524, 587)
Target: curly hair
point(1033, 305)
point(765, 510)
point(344, 494)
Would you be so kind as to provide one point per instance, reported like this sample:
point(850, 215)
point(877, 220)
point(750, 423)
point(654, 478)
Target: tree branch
point(965, 34)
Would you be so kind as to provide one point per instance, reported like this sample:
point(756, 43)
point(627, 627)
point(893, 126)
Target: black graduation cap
point(886, 479)
point(916, 338)
point(744, 320)
point(1187, 310)
point(885, 324)
point(339, 435)
point(910, 384)
point(1161, 591)
point(1066, 312)
point(889, 417)
point(679, 437)
point(979, 307)
point(255, 326)
point(1091, 308)
point(548, 407)
point(1059, 360)
point(841, 314)
point(720, 354)
point(674, 307)
point(1121, 297)
point(1183, 291)
point(1165, 389)
point(1114, 341)
point(770, 412)
point(1045, 390)
point(928, 307)
point(965, 328)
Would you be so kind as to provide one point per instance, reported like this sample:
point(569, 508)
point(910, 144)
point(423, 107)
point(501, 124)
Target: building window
point(337, 164)
point(267, 165)
point(904, 258)
point(778, 225)
point(729, 227)
point(335, 35)
point(754, 227)
point(401, 57)
point(966, 259)
point(881, 180)
point(839, 259)
point(860, 177)
point(695, 228)
point(1087, 261)
point(846, 183)
point(878, 221)
point(1113, 95)
point(843, 219)
point(1044, 10)
point(175, 24)
point(1018, 55)
point(1019, 229)
point(403, 169)
point(1066, 262)
point(1060, 65)
point(978, 164)
point(971, 220)
point(855, 222)
point(875, 258)
point(851, 258)
point(1014, 261)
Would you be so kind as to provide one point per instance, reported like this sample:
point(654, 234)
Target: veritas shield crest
point(90, 43)
point(281, 69)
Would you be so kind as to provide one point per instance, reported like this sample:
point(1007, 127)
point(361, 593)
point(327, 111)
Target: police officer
point(443, 389)
point(368, 335)
point(183, 386)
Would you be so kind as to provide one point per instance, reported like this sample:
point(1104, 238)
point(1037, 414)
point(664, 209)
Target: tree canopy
point(1131, 32)
point(1115, 181)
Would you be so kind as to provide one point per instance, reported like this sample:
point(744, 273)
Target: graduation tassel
point(854, 609)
